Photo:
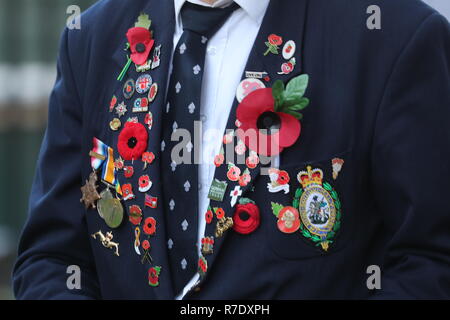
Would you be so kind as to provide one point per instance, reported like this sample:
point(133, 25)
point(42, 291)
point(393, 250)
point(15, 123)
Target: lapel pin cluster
point(130, 122)
point(273, 112)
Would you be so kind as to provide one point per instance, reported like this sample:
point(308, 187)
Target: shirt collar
point(254, 8)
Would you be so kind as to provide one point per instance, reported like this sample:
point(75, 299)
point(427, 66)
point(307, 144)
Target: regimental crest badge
point(319, 208)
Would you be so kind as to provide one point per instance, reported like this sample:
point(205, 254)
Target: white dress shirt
point(226, 56)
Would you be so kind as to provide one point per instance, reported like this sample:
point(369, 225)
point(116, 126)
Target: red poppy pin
point(269, 118)
point(202, 266)
point(135, 214)
point(132, 141)
point(209, 216)
point(150, 226)
point(140, 43)
point(153, 276)
point(246, 217)
point(288, 218)
point(147, 158)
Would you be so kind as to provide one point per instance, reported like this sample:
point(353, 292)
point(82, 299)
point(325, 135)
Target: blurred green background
point(29, 36)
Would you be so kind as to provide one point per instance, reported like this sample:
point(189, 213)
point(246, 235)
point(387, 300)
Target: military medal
point(89, 192)
point(110, 209)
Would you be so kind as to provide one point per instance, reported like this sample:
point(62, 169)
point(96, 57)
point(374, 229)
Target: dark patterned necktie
point(180, 179)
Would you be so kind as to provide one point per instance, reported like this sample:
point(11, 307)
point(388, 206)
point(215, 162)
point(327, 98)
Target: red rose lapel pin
point(273, 42)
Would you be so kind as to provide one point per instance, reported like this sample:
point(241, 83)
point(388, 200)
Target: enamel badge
point(319, 208)
point(279, 181)
point(336, 164)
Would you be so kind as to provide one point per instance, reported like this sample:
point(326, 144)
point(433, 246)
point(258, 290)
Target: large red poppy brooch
point(270, 117)
point(140, 43)
point(140, 40)
point(132, 141)
point(246, 217)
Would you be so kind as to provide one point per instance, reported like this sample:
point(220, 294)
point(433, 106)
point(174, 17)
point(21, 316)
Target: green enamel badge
point(217, 190)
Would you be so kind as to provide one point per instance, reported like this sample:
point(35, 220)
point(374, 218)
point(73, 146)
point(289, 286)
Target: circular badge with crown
point(319, 208)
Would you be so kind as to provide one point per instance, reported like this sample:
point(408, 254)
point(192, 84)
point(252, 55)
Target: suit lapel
point(286, 19)
point(161, 14)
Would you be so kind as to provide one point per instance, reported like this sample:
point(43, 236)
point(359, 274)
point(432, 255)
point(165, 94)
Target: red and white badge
point(128, 171)
point(127, 192)
point(149, 120)
point(247, 86)
point(145, 183)
point(143, 83)
point(151, 202)
point(289, 49)
point(288, 220)
point(287, 67)
point(140, 105)
point(153, 92)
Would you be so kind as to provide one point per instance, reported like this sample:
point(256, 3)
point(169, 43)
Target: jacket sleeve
point(410, 164)
point(55, 235)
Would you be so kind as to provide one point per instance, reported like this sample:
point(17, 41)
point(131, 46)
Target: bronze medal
point(110, 209)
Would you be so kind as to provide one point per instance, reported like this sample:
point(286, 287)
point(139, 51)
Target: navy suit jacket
point(380, 100)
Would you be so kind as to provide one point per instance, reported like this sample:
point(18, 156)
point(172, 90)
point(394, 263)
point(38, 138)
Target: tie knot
point(203, 20)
